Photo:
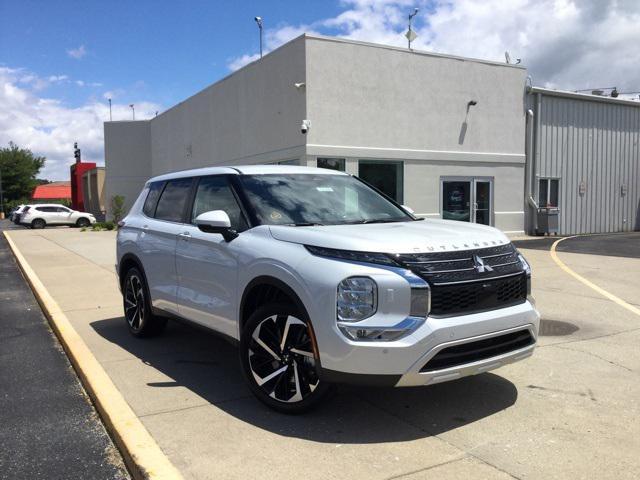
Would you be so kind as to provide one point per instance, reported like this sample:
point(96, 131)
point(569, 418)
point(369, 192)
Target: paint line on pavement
point(593, 286)
point(143, 456)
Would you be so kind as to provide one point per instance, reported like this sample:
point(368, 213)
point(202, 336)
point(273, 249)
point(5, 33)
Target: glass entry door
point(467, 200)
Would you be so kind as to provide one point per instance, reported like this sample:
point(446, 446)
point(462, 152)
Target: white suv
point(41, 215)
point(322, 279)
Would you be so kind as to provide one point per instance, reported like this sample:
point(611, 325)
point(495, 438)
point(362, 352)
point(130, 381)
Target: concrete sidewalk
point(570, 411)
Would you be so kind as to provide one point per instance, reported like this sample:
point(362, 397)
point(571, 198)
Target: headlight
point(527, 270)
point(357, 299)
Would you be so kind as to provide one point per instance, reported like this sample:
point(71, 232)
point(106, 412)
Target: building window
point(548, 192)
point(386, 176)
point(332, 163)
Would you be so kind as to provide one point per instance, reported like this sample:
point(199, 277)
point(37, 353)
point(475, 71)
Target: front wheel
point(83, 222)
point(279, 359)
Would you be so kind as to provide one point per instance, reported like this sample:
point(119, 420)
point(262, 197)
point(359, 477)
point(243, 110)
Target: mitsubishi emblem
point(480, 266)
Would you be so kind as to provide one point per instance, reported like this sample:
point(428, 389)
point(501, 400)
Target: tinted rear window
point(173, 200)
point(150, 203)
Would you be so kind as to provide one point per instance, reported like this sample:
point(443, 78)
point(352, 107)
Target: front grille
point(470, 281)
point(479, 350)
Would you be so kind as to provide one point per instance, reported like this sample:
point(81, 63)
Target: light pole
point(410, 34)
point(133, 110)
point(259, 22)
point(110, 117)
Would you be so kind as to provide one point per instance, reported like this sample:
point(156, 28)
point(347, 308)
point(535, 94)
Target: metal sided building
point(584, 158)
point(441, 134)
point(450, 137)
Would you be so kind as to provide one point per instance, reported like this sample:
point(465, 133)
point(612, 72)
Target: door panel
point(206, 264)
point(468, 200)
point(157, 242)
point(207, 279)
point(482, 205)
point(456, 200)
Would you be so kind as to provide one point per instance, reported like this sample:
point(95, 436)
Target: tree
point(117, 207)
point(18, 168)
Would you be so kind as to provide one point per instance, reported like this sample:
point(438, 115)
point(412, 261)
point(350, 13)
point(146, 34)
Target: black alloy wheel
point(137, 309)
point(279, 359)
point(83, 222)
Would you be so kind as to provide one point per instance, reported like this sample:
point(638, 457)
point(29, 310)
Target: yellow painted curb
point(141, 453)
point(580, 278)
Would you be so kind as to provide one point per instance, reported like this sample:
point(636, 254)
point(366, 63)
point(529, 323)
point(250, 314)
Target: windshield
point(308, 199)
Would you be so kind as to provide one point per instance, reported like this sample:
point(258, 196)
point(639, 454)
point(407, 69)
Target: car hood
point(398, 237)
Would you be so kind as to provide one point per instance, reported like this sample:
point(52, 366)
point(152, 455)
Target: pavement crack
point(596, 356)
point(431, 467)
point(77, 254)
point(438, 436)
point(577, 340)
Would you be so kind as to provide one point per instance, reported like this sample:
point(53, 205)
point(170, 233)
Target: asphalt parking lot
point(570, 411)
point(49, 428)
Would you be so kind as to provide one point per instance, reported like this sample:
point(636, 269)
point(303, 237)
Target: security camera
point(304, 128)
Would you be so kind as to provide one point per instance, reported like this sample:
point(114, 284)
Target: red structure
point(76, 170)
point(52, 191)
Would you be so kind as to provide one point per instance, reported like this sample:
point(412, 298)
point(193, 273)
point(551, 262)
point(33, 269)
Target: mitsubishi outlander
point(320, 279)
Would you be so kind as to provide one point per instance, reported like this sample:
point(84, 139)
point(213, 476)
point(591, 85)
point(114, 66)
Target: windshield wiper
point(376, 220)
point(306, 224)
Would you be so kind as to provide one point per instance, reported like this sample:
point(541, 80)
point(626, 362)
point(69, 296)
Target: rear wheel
point(279, 359)
point(83, 222)
point(137, 307)
point(38, 223)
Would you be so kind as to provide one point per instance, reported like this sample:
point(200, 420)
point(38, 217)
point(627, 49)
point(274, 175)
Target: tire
point(83, 222)
point(137, 307)
point(38, 223)
point(297, 388)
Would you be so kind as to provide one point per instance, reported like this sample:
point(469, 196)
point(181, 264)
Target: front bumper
point(400, 363)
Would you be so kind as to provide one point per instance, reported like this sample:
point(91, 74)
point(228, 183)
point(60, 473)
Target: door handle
point(184, 235)
point(145, 227)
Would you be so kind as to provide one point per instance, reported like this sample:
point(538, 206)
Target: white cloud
point(77, 53)
point(57, 78)
point(565, 44)
point(49, 127)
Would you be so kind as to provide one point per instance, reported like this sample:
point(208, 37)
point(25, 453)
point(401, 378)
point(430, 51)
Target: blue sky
point(159, 50)
point(61, 60)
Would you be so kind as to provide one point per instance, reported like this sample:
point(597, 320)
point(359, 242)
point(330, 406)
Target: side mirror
point(408, 209)
point(216, 221)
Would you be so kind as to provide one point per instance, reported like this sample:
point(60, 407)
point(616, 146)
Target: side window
point(173, 200)
point(214, 193)
point(152, 198)
point(62, 209)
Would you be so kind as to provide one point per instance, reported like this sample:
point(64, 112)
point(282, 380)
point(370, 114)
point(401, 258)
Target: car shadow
point(208, 366)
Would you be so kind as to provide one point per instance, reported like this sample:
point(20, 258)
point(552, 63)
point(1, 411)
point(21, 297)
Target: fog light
point(381, 334)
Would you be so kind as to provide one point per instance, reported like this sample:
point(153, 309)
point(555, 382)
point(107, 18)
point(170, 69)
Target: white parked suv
point(42, 215)
point(322, 279)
